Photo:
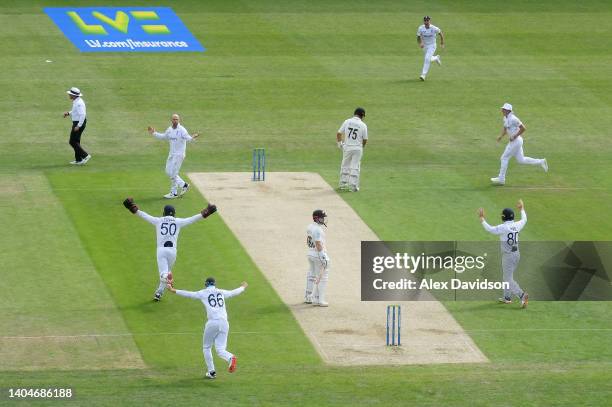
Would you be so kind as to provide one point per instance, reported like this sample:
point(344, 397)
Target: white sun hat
point(74, 92)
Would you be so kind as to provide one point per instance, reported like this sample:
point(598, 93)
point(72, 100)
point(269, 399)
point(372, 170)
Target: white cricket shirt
point(315, 233)
point(508, 232)
point(177, 138)
point(78, 112)
point(167, 228)
point(213, 299)
point(428, 35)
point(512, 124)
point(355, 131)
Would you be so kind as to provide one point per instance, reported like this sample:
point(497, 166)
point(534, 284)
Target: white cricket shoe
point(545, 165)
point(86, 158)
point(184, 189)
point(308, 299)
point(74, 162)
point(170, 195)
point(438, 60)
point(422, 78)
point(211, 375)
point(497, 181)
point(323, 304)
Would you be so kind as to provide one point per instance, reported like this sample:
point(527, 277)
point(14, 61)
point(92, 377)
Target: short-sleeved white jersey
point(315, 233)
point(177, 138)
point(428, 35)
point(512, 124)
point(508, 232)
point(167, 228)
point(355, 131)
point(213, 299)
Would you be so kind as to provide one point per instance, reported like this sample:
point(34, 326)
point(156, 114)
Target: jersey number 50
point(214, 302)
point(166, 228)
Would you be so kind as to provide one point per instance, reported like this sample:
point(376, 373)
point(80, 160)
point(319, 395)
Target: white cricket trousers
point(515, 149)
point(429, 51)
point(173, 166)
point(215, 332)
point(510, 262)
point(166, 256)
point(316, 292)
point(350, 168)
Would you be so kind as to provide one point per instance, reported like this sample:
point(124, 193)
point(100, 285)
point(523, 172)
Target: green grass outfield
point(284, 75)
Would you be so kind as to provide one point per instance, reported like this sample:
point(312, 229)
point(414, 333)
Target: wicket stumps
point(259, 164)
point(391, 325)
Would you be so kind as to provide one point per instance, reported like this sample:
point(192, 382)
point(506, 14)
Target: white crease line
point(538, 329)
point(138, 334)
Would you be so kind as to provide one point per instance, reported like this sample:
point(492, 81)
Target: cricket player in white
point(514, 128)
point(167, 229)
point(216, 329)
point(318, 261)
point(352, 137)
point(426, 38)
point(178, 137)
point(508, 233)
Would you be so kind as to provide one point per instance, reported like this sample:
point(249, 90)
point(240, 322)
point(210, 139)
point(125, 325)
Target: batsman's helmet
point(360, 111)
point(169, 210)
point(209, 281)
point(319, 216)
point(507, 214)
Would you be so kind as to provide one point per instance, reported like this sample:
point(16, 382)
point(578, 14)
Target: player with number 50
point(508, 233)
point(167, 229)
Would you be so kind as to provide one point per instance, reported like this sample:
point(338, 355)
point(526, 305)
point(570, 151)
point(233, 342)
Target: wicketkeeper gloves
point(209, 210)
point(130, 205)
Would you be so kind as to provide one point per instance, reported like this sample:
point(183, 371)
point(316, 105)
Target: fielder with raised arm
point(216, 329)
point(167, 229)
point(178, 137)
point(318, 261)
point(514, 128)
point(426, 38)
point(352, 137)
point(508, 233)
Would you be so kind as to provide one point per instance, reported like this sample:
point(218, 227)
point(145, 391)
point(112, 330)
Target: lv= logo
point(120, 22)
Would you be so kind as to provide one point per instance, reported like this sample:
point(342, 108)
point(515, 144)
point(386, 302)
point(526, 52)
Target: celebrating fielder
point(216, 329)
point(514, 128)
point(352, 137)
point(426, 38)
point(508, 233)
point(167, 229)
point(318, 261)
point(178, 137)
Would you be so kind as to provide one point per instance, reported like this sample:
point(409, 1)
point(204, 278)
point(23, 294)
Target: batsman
point(508, 233)
point(318, 261)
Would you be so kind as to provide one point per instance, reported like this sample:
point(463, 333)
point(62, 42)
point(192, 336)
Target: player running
point(508, 233)
point(426, 38)
point(514, 128)
point(167, 229)
point(318, 261)
point(216, 329)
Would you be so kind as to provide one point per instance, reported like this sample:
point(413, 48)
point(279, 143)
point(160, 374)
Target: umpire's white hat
point(507, 106)
point(74, 92)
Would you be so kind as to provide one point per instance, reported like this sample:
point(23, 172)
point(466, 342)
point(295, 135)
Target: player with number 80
point(508, 233)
